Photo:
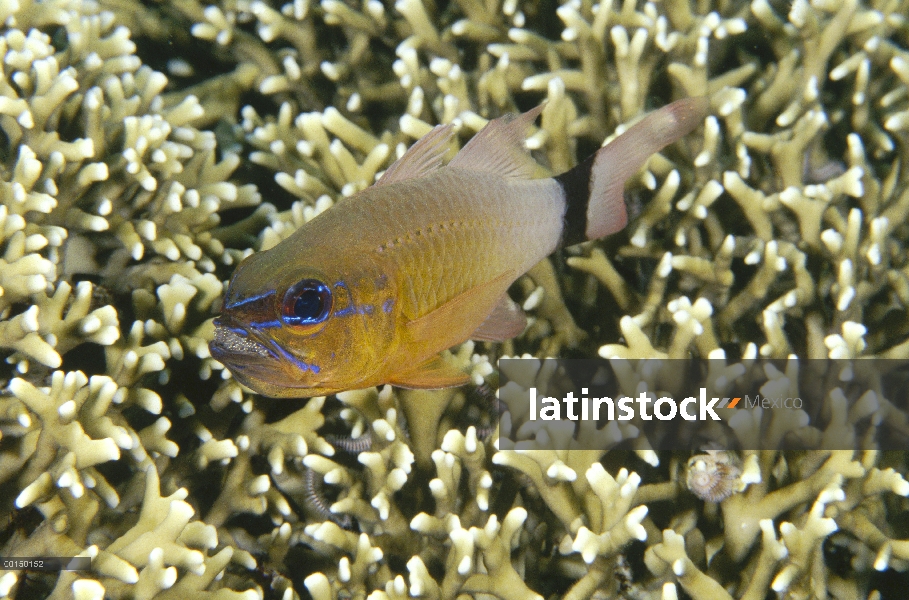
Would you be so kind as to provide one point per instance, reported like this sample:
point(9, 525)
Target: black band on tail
point(576, 185)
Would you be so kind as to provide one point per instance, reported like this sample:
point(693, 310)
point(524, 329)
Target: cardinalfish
point(373, 290)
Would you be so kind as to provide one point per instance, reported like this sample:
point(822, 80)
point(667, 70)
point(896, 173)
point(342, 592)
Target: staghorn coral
point(131, 130)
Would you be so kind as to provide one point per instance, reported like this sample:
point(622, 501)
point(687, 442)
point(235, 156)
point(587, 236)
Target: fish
point(374, 289)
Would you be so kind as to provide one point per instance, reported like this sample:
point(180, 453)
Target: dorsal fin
point(420, 159)
point(499, 147)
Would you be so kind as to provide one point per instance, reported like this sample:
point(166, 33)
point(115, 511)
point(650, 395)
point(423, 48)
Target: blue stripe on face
point(366, 309)
point(343, 312)
point(300, 364)
point(387, 305)
point(351, 309)
point(276, 323)
point(245, 301)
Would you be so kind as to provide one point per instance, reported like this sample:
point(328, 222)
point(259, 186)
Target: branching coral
point(778, 229)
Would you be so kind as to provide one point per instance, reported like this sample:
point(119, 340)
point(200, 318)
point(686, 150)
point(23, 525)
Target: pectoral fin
point(503, 323)
point(455, 321)
point(433, 374)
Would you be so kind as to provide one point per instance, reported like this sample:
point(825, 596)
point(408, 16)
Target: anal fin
point(504, 322)
point(432, 374)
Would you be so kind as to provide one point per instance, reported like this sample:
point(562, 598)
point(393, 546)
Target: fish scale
point(450, 259)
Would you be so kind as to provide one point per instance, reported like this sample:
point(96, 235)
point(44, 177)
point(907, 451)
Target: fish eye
point(306, 302)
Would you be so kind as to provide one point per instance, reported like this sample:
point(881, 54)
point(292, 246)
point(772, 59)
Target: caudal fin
point(594, 190)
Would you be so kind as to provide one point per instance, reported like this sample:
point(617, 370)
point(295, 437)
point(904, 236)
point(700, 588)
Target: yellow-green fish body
point(370, 291)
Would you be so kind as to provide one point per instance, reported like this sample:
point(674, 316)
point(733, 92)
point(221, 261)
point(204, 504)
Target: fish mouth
point(255, 365)
point(251, 363)
point(228, 342)
point(239, 351)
